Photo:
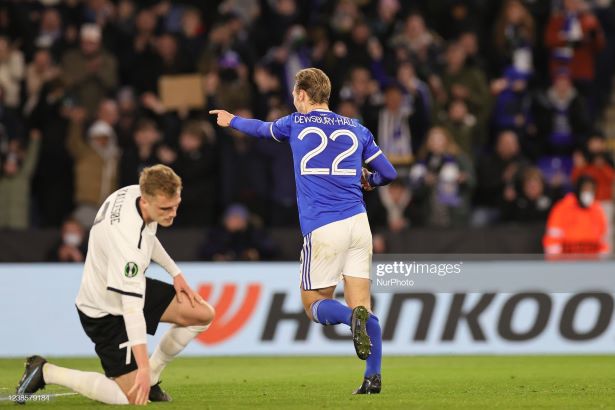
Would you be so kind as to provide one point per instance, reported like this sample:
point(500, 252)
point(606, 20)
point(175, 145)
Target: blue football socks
point(373, 363)
point(331, 312)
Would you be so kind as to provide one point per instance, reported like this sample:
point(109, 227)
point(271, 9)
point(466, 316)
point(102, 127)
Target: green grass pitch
point(456, 382)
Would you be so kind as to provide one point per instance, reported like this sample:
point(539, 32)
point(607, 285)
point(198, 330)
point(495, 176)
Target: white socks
point(95, 386)
point(173, 342)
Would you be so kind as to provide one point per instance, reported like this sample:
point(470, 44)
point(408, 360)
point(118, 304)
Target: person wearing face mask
point(72, 246)
point(577, 224)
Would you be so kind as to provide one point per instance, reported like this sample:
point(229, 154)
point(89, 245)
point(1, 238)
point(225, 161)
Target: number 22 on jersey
point(335, 169)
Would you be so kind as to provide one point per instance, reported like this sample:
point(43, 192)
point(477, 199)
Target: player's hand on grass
point(365, 180)
point(183, 290)
point(223, 117)
point(141, 386)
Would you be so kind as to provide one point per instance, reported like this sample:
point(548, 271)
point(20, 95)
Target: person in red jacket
point(577, 224)
point(595, 161)
point(574, 37)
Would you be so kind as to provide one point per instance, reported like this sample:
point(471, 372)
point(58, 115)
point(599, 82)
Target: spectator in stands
point(595, 161)
point(192, 37)
point(269, 92)
point(170, 120)
point(514, 38)
point(323, 55)
point(96, 164)
point(532, 204)
point(108, 113)
point(53, 184)
point(460, 16)
point(12, 72)
point(128, 116)
point(396, 201)
point(72, 246)
point(17, 168)
point(379, 243)
point(171, 59)
point(90, 72)
point(139, 52)
point(442, 181)
point(41, 70)
point(513, 102)
point(459, 82)
point(388, 14)
point(364, 92)
point(394, 136)
point(243, 170)
point(278, 163)
point(234, 88)
point(197, 164)
point(469, 42)
point(145, 152)
point(50, 36)
point(561, 117)
point(574, 37)
point(357, 53)
point(577, 224)
point(497, 173)
point(237, 239)
point(461, 124)
point(418, 44)
point(417, 98)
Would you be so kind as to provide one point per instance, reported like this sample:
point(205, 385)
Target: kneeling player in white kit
point(328, 153)
point(118, 305)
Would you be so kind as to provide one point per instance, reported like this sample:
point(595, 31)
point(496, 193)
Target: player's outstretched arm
point(252, 127)
point(383, 173)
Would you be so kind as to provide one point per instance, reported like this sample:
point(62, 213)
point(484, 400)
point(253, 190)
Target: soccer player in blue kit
point(328, 154)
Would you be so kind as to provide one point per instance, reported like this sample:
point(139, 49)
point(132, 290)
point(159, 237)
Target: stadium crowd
point(488, 109)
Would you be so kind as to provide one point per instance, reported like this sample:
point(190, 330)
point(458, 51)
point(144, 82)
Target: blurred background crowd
point(491, 111)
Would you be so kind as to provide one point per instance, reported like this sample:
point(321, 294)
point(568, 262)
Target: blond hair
point(159, 179)
point(315, 83)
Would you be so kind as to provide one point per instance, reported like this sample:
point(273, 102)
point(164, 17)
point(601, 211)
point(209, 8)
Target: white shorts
point(339, 248)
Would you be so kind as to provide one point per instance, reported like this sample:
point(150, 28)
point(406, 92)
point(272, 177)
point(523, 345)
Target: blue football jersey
point(328, 153)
